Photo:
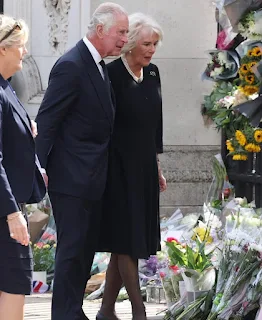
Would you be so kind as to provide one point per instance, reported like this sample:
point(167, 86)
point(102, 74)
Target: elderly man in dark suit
point(75, 123)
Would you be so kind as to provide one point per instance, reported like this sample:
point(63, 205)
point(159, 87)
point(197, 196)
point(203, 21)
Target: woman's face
point(15, 55)
point(145, 48)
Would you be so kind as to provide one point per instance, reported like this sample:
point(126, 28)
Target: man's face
point(116, 37)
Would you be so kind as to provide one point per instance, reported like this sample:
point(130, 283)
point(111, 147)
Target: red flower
point(174, 268)
point(170, 239)
point(162, 274)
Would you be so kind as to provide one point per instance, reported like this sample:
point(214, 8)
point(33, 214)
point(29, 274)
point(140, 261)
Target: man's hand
point(34, 128)
point(18, 228)
point(45, 177)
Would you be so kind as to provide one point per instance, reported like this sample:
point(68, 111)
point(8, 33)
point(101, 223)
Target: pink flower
point(162, 274)
point(221, 44)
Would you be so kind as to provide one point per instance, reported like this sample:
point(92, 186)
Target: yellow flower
point(229, 146)
point(46, 246)
point(244, 68)
point(256, 52)
point(251, 65)
point(239, 157)
point(251, 147)
point(250, 79)
point(258, 136)
point(250, 52)
point(202, 234)
point(249, 90)
point(241, 138)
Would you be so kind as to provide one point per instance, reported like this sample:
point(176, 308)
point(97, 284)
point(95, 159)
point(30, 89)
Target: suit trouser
point(77, 223)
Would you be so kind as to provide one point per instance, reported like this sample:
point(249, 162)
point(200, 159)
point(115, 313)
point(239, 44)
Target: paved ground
point(38, 308)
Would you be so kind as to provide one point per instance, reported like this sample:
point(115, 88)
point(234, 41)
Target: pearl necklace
point(137, 79)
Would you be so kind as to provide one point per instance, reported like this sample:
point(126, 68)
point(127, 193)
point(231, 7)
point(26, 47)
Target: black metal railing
point(246, 176)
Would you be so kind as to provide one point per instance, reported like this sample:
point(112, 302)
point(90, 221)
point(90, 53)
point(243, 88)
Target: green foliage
point(43, 255)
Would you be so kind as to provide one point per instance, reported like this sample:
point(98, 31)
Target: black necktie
point(107, 81)
point(106, 77)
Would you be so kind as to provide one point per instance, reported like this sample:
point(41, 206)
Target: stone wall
point(190, 30)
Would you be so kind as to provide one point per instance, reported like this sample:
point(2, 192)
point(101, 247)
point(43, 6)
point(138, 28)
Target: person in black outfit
point(75, 123)
point(21, 181)
point(130, 225)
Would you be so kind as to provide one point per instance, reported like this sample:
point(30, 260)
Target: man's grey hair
point(105, 15)
point(138, 22)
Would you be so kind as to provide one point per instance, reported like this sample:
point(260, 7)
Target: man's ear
point(2, 51)
point(100, 31)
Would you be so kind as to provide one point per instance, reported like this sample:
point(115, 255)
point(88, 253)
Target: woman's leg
point(11, 306)
point(112, 287)
point(128, 269)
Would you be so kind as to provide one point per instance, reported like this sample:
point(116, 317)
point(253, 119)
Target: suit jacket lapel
point(18, 108)
point(97, 80)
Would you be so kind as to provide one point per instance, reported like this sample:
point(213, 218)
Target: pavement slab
point(38, 307)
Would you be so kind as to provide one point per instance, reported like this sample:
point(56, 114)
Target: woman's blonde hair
point(12, 31)
point(138, 22)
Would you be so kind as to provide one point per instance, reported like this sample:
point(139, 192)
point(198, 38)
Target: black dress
point(130, 222)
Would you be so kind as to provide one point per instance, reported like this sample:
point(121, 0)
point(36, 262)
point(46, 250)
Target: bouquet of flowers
point(250, 25)
point(245, 141)
point(238, 281)
point(219, 107)
point(223, 65)
point(248, 82)
point(44, 256)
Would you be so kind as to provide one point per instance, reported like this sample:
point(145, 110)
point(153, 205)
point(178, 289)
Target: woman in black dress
point(20, 178)
point(130, 225)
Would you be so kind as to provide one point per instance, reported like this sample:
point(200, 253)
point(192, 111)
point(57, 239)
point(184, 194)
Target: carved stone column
point(20, 9)
point(85, 14)
point(57, 11)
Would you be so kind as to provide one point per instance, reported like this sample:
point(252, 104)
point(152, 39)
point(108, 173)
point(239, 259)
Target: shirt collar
point(95, 54)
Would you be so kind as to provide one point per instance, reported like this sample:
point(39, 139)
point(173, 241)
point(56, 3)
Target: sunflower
point(251, 147)
point(258, 136)
point(241, 138)
point(256, 52)
point(250, 52)
point(230, 148)
point(244, 68)
point(251, 65)
point(249, 90)
point(250, 79)
point(240, 157)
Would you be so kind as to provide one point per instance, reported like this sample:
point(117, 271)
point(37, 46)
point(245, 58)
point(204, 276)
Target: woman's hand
point(162, 182)
point(18, 228)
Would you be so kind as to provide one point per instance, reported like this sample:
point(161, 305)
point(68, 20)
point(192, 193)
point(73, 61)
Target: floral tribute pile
point(235, 67)
point(210, 263)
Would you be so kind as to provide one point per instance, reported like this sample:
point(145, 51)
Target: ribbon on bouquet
point(40, 287)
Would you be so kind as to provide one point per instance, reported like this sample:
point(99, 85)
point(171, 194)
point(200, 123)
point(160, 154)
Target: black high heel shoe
point(100, 316)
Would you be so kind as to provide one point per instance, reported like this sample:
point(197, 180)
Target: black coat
point(75, 122)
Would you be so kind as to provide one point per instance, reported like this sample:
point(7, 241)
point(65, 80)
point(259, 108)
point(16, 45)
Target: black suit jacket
point(75, 122)
point(20, 178)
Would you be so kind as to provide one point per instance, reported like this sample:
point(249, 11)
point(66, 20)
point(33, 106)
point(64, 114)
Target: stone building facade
point(190, 30)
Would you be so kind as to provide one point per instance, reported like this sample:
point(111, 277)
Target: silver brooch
point(152, 73)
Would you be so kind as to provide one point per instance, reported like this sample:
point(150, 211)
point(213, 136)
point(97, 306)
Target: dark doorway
point(1, 6)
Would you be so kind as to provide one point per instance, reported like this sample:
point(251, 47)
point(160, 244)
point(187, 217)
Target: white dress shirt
point(95, 54)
